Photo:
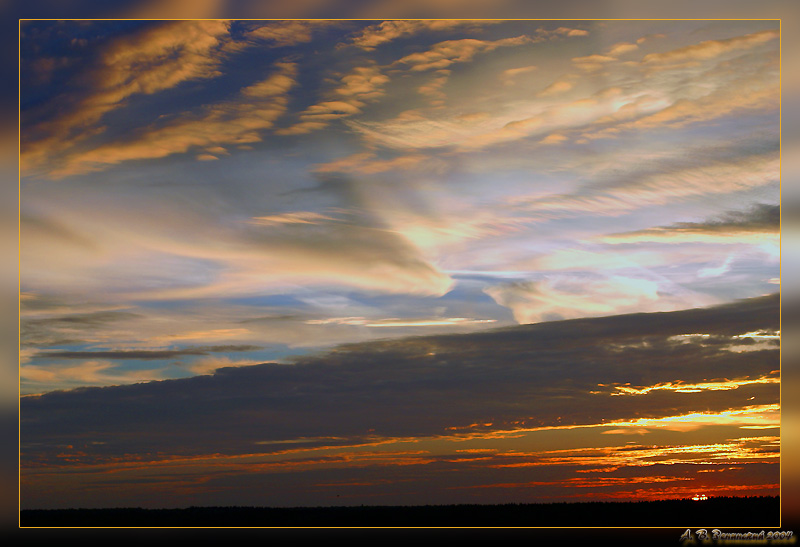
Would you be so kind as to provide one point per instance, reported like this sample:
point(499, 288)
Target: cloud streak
point(235, 122)
point(760, 224)
point(148, 61)
point(145, 354)
point(502, 377)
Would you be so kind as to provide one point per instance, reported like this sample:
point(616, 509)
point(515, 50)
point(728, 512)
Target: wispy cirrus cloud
point(446, 53)
point(625, 192)
point(732, 79)
point(298, 217)
point(387, 31)
point(360, 86)
point(369, 163)
point(571, 296)
point(286, 33)
point(148, 61)
point(711, 49)
point(241, 120)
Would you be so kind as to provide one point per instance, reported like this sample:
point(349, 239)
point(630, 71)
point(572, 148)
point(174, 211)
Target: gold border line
point(19, 256)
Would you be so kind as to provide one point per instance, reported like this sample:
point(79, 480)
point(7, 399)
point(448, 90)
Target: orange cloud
point(152, 60)
point(232, 122)
point(592, 62)
point(299, 217)
point(87, 373)
point(622, 48)
point(433, 88)
point(368, 163)
point(387, 31)
point(509, 75)
point(681, 387)
point(446, 53)
point(557, 87)
point(360, 85)
point(287, 33)
point(713, 48)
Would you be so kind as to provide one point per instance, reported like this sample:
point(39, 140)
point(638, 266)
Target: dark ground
point(725, 513)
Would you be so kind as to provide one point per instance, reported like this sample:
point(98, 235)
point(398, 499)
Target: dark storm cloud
point(146, 354)
point(542, 374)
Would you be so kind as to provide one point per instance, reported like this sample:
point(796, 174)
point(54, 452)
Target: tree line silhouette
point(731, 512)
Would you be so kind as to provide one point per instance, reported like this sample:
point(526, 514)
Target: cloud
point(299, 217)
point(87, 373)
point(686, 111)
point(433, 88)
point(350, 247)
point(145, 354)
point(361, 251)
point(286, 33)
point(156, 58)
point(662, 183)
point(711, 49)
point(237, 121)
point(636, 99)
point(382, 33)
point(431, 386)
point(53, 329)
point(363, 82)
point(761, 223)
point(92, 320)
point(405, 132)
point(571, 32)
point(604, 259)
point(360, 86)
point(446, 53)
point(395, 322)
point(554, 138)
point(467, 137)
point(556, 88)
point(593, 62)
point(570, 297)
point(206, 245)
point(650, 37)
point(510, 73)
point(368, 163)
point(387, 31)
point(211, 363)
point(621, 49)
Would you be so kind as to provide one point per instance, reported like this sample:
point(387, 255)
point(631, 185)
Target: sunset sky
point(398, 262)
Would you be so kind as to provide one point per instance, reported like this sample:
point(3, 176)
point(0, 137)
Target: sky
point(398, 262)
